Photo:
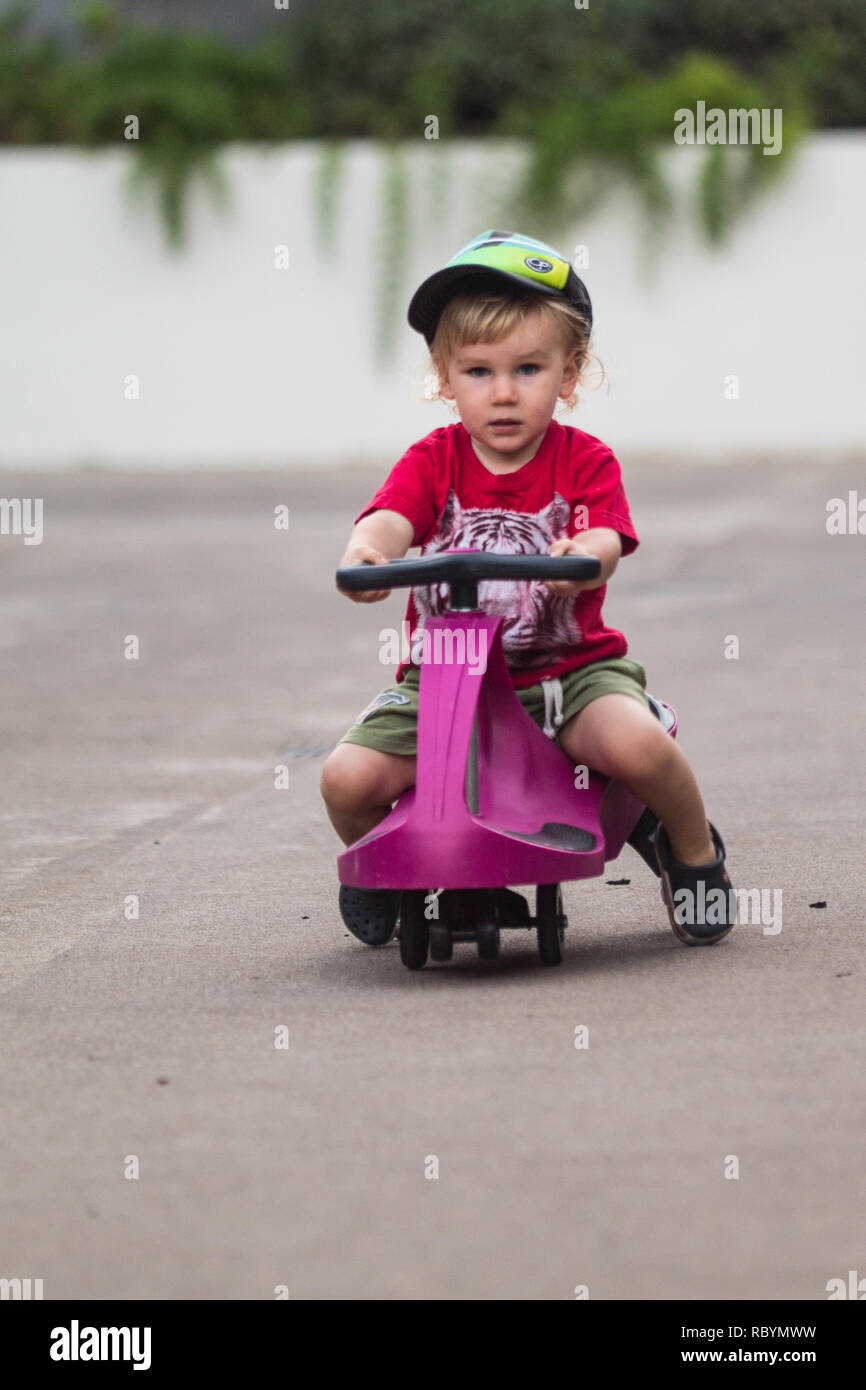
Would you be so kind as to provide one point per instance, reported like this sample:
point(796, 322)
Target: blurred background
point(213, 217)
point(215, 214)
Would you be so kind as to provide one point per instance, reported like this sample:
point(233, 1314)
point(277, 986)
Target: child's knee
point(628, 749)
point(356, 776)
point(647, 753)
point(342, 781)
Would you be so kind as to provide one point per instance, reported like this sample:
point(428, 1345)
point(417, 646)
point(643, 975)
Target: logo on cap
point(536, 263)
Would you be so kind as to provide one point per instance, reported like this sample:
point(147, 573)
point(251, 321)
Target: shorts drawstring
point(552, 688)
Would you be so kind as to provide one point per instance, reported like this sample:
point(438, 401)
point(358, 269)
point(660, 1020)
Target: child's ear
point(570, 374)
point(444, 387)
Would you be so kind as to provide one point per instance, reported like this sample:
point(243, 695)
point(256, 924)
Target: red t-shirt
point(454, 502)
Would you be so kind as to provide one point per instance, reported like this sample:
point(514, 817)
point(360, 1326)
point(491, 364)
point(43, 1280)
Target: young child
point(508, 324)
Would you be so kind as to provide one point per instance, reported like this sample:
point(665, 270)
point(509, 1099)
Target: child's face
point(506, 392)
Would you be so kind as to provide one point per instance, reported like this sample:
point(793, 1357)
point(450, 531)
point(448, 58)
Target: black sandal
point(702, 916)
point(370, 913)
point(642, 839)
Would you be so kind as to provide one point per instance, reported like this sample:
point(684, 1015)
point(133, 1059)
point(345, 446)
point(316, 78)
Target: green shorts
point(390, 721)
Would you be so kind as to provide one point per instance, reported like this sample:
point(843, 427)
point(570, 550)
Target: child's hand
point(357, 556)
point(566, 546)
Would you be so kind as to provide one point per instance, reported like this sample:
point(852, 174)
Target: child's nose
point(503, 388)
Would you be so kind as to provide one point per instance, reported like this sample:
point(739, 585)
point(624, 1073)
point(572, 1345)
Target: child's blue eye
point(528, 368)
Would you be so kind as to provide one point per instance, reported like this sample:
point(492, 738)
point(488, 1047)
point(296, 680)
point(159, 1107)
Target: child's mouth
point(505, 426)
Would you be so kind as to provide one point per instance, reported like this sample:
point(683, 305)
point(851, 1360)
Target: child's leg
point(619, 737)
point(359, 784)
point(374, 762)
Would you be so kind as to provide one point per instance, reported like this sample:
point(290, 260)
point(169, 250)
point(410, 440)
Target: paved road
point(305, 1166)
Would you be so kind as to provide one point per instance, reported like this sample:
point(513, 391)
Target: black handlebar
point(476, 564)
point(463, 569)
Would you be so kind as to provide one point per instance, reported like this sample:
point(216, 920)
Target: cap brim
point(430, 298)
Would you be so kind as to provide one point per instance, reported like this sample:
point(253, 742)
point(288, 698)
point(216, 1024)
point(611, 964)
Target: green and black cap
point(493, 257)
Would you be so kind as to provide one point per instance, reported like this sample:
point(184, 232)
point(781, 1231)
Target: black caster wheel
point(487, 938)
point(441, 945)
point(550, 923)
point(511, 909)
point(414, 929)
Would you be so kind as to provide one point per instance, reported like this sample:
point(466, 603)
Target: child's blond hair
point(489, 316)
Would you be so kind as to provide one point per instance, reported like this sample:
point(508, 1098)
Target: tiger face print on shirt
point(539, 628)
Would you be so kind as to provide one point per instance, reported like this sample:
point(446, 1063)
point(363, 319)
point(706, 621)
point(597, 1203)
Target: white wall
point(242, 364)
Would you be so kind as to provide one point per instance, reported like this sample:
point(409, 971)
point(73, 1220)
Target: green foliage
point(393, 251)
point(624, 134)
point(592, 92)
point(327, 188)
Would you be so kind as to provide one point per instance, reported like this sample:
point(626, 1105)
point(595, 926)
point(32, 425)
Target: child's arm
point(382, 536)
